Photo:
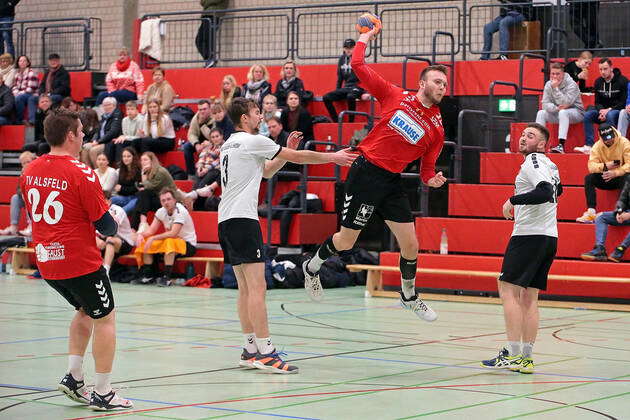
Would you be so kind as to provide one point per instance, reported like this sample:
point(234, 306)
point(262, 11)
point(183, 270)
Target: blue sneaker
point(504, 361)
point(274, 363)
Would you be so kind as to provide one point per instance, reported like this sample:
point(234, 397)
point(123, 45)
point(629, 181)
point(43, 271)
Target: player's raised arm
point(370, 79)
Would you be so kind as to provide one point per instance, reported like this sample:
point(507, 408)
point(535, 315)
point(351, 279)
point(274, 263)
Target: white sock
point(528, 348)
point(193, 194)
point(106, 267)
point(408, 287)
point(514, 347)
point(75, 366)
point(591, 210)
point(250, 343)
point(102, 384)
point(264, 345)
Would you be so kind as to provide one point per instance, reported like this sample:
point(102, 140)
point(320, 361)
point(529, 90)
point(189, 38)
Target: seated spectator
point(157, 134)
point(107, 176)
point(509, 16)
point(25, 85)
point(110, 128)
point(120, 244)
point(131, 126)
point(610, 99)
point(198, 134)
point(70, 104)
point(221, 119)
point(608, 165)
point(269, 109)
point(91, 125)
point(124, 80)
point(7, 70)
point(619, 217)
point(624, 117)
point(129, 178)
point(296, 118)
point(178, 240)
point(578, 70)
point(289, 82)
point(161, 90)
point(56, 82)
point(257, 86)
point(17, 202)
point(561, 102)
point(347, 83)
point(208, 166)
point(7, 103)
point(277, 132)
point(39, 145)
point(229, 90)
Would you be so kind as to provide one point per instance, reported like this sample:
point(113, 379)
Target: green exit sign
point(507, 105)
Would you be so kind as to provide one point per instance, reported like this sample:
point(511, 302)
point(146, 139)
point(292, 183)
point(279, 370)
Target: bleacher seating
point(11, 137)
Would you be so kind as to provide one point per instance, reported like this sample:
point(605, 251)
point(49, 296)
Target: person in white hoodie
point(561, 103)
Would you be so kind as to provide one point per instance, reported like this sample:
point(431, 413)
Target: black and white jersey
point(536, 219)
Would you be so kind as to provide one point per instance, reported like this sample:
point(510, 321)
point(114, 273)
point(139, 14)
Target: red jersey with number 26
point(407, 130)
point(63, 198)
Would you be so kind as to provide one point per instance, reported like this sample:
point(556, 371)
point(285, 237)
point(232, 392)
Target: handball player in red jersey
point(410, 128)
point(65, 202)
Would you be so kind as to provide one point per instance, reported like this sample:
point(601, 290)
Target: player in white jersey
point(246, 157)
point(531, 249)
point(119, 244)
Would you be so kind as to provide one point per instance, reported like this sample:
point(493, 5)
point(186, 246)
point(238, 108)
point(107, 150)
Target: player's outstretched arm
point(273, 166)
point(343, 157)
point(370, 79)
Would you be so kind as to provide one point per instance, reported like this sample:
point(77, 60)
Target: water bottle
point(444, 242)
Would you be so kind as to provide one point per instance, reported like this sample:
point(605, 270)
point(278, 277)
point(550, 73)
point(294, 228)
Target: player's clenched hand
point(344, 157)
point(294, 139)
point(437, 181)
point(508, 208)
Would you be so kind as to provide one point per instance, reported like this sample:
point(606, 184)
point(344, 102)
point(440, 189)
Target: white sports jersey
point(536, 219)
point(124, 228)
point(180, 215)
point(243, 159)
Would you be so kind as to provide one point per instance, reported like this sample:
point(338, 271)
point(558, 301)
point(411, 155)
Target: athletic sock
point(106, 267)
point(102, 384)
point(408, 288)
point(324, 252)
point(168, 270)
point(250, 343)
point(75, 366)
point(514, 347)
point(528, 348)
point(264, 345)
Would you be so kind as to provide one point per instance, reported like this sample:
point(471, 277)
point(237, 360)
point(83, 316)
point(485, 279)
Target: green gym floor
point(359, 359)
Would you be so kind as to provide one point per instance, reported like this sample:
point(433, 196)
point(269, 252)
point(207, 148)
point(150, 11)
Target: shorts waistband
point(365, 162)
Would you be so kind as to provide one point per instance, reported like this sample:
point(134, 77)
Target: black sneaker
point(596, 254)
point(558, 149)
point(111, 401)
point(75, 390)
point(163, 282)
point(145, 279)
point(617, 254)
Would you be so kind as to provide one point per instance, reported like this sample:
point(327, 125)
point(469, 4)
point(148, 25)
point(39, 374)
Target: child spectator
point(578, 70)
point(269, 109)
point(221, 119)
point(131, 126)
point(198, 134)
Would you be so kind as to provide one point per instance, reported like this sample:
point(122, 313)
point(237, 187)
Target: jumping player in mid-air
point(410, 128)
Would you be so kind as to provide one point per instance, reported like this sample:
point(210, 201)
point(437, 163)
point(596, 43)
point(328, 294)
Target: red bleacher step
point(11, 137)
point(8, 187)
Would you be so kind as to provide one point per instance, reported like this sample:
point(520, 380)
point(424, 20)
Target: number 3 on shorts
point(57, 207)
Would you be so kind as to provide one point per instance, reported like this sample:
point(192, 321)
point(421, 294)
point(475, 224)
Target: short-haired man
point(578, 70)
point(179, 239)
point(561, 103)
point(66, 205)
point(531, 249)
point(347, 83)
point(55, 84)
point(611, 91)
point(40, 146)
point(198, 134)
point(276, 131)
point(246, 157)
point(608, 164)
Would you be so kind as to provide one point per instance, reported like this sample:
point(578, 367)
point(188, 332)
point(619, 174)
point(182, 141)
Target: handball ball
point(367, 22)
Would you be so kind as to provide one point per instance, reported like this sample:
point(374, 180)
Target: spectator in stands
point(107, 175)
point(25, 85)
point(276, 131)
point(7, 69)
point(296, 118)
point(608, 164)
point(198, 134)
point(347, 83)
point(207, 32)
point(624, 116)
point(124, 80)
point(610, 99)
point(208, 166)
point(561, 102)
point(131, 126)
point(121, 243)
point(179, 239)
point(229, 90)
point(618, 217)
point(39, 145)
point(578, 70)
point(160, 90)
point(7, 103)
point(157, 134)
point(17, 202)
point(129, 177)
point(269, 109)
point(91, 126)
point(509, 15)
point(257, 86)
point(70, 104)
point(289, 82)
point(7, 16)
point(110, 128)
point(56, 82)
point(221, 119)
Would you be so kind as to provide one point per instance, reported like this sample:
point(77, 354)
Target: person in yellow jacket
point(608, 166)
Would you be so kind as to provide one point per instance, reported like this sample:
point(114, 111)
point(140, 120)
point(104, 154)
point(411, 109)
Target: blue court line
point(26, 388)
point(29, 340)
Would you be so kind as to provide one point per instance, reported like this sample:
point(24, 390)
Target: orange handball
point(367, 22)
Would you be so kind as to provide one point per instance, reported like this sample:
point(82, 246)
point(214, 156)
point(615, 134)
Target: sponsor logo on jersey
point(406, 127)
point(52, 252)
point(364, 214)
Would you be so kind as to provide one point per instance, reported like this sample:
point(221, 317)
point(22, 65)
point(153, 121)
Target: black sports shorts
point(241, 241)
point(92, 292)
point(528, 259)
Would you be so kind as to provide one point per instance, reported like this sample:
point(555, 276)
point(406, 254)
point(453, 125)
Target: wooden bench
point(20, 263)
point(213, 264)
point(374, 286)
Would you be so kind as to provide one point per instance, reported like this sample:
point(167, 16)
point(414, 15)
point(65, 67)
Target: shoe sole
point(527, 372)
point(99, 408)
point(247, 365)
point(614, 259)
point(272, 369)
point(512, 368)
point(70, 394)
point(592, 258)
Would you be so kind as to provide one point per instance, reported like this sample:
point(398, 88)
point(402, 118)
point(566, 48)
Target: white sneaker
point(583, 149)
point(205, 192)
point(11, 230)
point(26, 232)
point(417, 306)
point(111, 401)
point(312, 285)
